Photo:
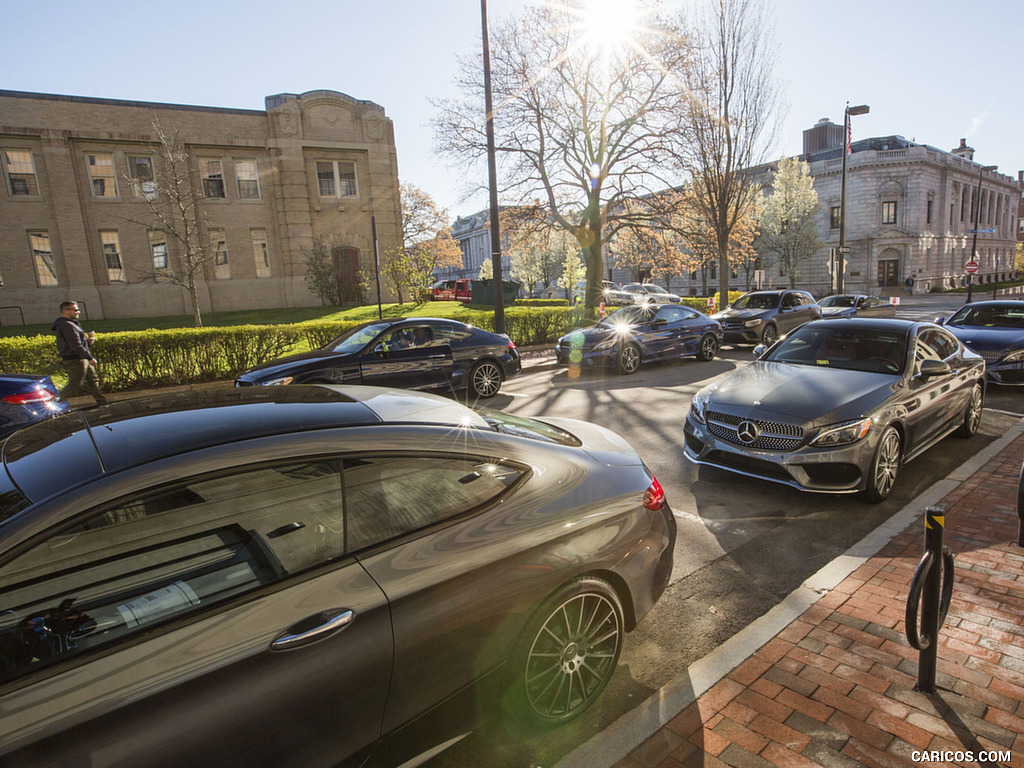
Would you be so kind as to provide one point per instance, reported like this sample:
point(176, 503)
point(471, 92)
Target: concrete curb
point(632, 729)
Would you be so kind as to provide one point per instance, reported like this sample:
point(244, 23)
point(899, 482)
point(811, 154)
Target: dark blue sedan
point(995, 330)
point(636, 334)
point(27, 398)
point(410, 353)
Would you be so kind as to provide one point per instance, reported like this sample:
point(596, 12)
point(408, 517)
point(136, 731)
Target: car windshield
point(507, 424)
point(355, 339)
point(838, 301)
point(1000, 316)
point(757, 301)
point(652, 288)
point(872, 350)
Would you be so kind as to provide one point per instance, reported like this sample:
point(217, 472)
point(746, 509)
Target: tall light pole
point(977, 217)
point(840, 267)
point(492, 176)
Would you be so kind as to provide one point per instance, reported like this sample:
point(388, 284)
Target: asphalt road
point(743, 544)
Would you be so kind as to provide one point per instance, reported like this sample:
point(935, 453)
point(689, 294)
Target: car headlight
point(753, 323)
point(277, 382)
point(607, 343)
point(1016, 356)
point(843, 434)
point(698, 406)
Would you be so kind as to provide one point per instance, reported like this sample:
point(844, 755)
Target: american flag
point(849, 138)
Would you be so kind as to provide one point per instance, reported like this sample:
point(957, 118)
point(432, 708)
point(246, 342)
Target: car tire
point(884, 467)
point(485, 379)
point(566, 654)
point(708, 348)
point(769, 335)
point(972, 413)
point(629, 359)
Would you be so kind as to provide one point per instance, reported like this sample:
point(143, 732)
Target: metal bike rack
point(931, 591)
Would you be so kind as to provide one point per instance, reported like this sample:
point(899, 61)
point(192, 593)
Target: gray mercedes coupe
point(839, 405)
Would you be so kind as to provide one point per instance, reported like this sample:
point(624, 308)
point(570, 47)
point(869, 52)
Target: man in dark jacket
point(73, 348)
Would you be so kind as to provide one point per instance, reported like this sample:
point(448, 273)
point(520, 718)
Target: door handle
point(323, 625)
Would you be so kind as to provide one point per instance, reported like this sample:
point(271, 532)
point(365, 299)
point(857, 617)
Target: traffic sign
point(971, 267)
point(843, 249)
point(981, 231)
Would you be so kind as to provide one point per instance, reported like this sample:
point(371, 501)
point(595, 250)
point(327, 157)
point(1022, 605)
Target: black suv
point(761, 317)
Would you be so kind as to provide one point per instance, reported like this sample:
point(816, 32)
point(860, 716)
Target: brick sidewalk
point(836, 687)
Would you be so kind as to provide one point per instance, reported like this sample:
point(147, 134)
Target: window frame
point(9, 175)
point(156, 238)
point(261, 255)
point(138, 182)
point(337, 180)
point(38, 260)
point(835, 217)
point(114, 274)
point(239, 162)
point(209, 181)
point(221, 259)
point(890, 211)
point(90, 157)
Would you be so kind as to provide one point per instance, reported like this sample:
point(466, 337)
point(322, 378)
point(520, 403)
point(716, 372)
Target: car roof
point(87, 443)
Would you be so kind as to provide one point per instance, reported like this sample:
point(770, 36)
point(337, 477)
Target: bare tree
point(732, 117)
point(580, 126)
point(789, 232)
point(174, 202)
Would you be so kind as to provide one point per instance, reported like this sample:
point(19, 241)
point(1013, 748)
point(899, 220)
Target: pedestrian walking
point(75, 355)
point(910, 285)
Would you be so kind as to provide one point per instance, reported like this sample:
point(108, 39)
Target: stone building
point(910, 211)
point(473, 234)
point(82, 176)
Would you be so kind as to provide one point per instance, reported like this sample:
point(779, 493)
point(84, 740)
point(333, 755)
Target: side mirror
point(940, 320)
point(759, 350)
point(932, 368)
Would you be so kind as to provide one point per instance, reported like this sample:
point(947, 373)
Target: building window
point(101, 174)
point(112, 255)
point(219, 245)
point(158, 247)
point(833, 217)
point(21, 172)
point(336, 178)
point(1020, 227)
point(889, 212)
point(260, 252)
point(42, 258)
point(248, 180)
point(140, 171)
point(928, 214)
point(213, 177)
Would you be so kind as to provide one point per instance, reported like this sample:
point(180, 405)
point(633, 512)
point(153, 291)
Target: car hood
point(740, 314)
point(292, 363)
point(989, 338)
point(810, 394)
point(836, 311)
point(595, 334)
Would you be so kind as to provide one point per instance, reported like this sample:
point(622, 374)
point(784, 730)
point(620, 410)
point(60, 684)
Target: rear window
point(508, 424)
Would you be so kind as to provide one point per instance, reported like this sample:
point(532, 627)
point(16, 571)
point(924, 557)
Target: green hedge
point(541, 303)
point(138, 359)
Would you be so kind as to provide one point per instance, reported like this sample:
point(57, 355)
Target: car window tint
point(387, 497)
point(930, 346)
point(160, 555)
point(670, 314)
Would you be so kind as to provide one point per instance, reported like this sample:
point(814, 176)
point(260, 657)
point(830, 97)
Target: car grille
point(772, 435)
point(732, 325)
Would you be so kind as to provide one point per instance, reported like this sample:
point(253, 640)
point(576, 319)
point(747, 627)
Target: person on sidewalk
point(910, 285)
point(75, 356)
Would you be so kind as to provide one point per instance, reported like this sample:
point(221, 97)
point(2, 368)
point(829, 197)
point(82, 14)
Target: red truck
point(452, 290)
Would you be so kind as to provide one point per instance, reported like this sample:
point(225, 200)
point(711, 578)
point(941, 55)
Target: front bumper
point(822, 470)
point(566, 354)
point(1007, 374)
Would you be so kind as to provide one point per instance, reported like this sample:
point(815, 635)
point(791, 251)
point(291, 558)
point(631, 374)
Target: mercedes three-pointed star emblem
point(748, 432)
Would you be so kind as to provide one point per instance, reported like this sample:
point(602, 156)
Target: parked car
point(636, 334)
point(413, 353)
point(761, 317)
point(610, 291)
point(311, 576)
point(860, 305)
point(838, 407)
point(26, 398)
point(650, 292)
point(452, 290)
point(995, 330)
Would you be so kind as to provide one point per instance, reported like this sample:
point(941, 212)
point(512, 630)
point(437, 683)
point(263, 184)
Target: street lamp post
point(861, 109)
point(977, 217)
point(492, 172)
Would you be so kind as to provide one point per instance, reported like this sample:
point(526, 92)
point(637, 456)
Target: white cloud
point(977, 122)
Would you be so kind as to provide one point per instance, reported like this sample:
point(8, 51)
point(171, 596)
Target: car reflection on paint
point(26, 399)
point(311, 576)
point(839, 405)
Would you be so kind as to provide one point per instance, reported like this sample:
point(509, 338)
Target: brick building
point(80, 174)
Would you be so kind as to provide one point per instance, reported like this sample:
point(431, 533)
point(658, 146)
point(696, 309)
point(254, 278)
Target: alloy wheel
point(485, 380)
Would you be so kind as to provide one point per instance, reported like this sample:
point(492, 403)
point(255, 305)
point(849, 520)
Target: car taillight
point(654, 496)
point(511, 344)
point(35, 396)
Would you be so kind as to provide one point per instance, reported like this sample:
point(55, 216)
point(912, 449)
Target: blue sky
point(931, 71)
